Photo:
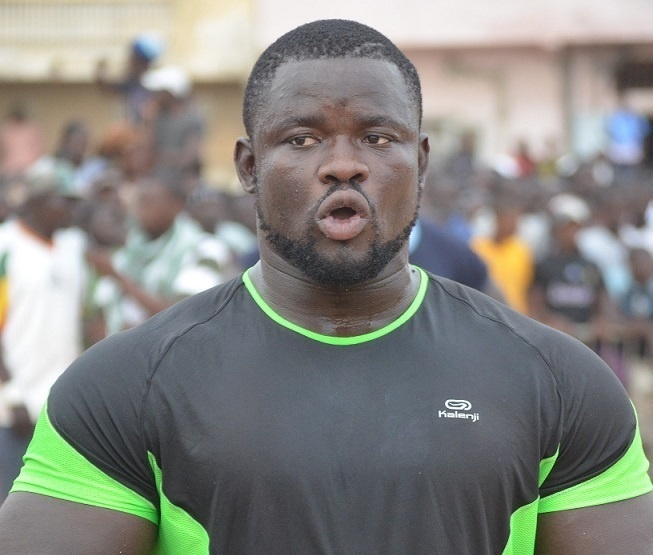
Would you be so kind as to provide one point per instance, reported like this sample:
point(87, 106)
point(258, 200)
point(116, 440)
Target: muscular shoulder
point(566, 359)
point(134, 354)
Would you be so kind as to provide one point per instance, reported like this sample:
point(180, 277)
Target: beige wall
point(502, 95)
point(443, 23)
point(536, 94)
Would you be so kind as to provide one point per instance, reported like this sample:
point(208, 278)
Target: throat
point(342, 312)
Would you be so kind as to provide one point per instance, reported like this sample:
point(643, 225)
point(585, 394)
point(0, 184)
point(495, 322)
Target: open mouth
point(343, 215)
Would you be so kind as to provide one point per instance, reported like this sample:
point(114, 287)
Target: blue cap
point(149, 47)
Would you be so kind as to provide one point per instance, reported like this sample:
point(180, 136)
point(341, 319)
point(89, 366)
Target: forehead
point(374, 88)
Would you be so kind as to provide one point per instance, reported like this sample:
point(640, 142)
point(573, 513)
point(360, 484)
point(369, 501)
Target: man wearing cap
point(143, 51)
point(42, 281)
point(175, 129)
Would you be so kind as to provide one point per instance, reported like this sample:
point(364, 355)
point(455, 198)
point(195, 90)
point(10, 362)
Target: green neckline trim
point(332, 340)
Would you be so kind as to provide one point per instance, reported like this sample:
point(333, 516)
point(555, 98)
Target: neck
point(336, 311)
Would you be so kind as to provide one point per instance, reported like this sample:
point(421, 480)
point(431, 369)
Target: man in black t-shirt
point(334, 398)
point(568, 292)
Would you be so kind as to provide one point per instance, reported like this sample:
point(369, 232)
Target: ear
point(423, 158)
point(245, 164)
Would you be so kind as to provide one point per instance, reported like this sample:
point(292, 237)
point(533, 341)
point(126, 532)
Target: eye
point(376, 140)
point(303, 140)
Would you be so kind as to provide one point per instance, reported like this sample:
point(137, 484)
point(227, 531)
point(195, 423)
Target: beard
point(344, 269)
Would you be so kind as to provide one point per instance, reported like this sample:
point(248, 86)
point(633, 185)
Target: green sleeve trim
point(546, 465)
point(626, 478)
point(342, 341)
point(54, 468)
point(178, 531)
point(523, 526)
point(523, 522)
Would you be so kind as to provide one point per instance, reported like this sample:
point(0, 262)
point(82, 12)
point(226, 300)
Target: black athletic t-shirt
point(446, 432)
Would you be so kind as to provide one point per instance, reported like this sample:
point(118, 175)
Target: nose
point(343, 163)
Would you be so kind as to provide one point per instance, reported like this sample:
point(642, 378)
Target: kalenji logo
point(457, 405)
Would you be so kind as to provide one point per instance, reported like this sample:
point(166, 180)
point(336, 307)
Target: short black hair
point(324, 40)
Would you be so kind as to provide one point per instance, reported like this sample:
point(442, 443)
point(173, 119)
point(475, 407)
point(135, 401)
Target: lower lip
point(342, 230)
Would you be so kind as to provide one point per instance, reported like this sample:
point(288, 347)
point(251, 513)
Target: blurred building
point(508, 70)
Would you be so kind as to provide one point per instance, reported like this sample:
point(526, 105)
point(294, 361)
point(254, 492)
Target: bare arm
point(624, 527)
point(32, 524)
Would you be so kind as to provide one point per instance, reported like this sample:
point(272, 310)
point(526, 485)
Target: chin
point(342, 269)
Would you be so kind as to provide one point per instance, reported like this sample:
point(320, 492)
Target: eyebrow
point(382, 121)
point(318, 120)
point(314, 120)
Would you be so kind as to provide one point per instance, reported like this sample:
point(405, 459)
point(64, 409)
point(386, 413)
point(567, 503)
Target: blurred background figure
point(568, 291)
point(637, 300)
point(627, 132)
point(526, 165)
point(508, 257)
point(216, 212)
point(166, 257)
point(22, 142)
point(175, 129)
point(440, 252)
point(462, 165)
point(600, 240)
point(143, 52)
point(42, 288)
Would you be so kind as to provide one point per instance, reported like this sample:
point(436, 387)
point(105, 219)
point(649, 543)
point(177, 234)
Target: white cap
point(170, 78)
point(569, 208)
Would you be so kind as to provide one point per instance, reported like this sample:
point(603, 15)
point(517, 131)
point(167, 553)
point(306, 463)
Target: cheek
point(399, 191)
point(286, 191)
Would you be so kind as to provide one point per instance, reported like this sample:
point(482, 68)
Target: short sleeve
point(599, 458)
point(88, 445)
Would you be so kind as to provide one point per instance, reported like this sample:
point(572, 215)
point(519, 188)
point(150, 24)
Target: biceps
point(32, 523)
point(620, 527)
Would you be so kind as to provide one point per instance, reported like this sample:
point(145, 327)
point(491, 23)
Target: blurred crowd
point(106, 231)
